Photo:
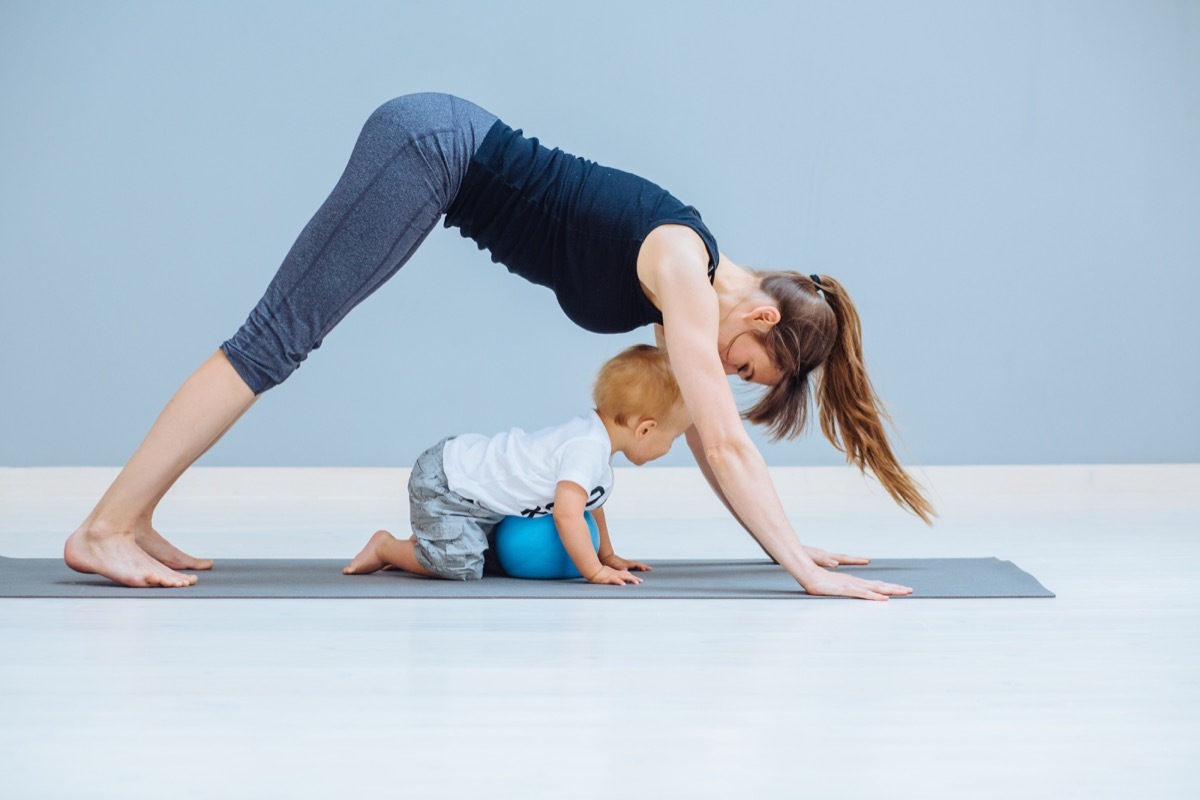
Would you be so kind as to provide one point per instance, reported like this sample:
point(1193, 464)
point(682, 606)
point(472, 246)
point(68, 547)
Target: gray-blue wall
point(1011, 190)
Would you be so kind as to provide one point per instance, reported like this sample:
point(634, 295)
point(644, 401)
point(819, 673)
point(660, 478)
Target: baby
point(463, 486)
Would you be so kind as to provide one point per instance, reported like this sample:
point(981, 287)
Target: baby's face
point(657, 442)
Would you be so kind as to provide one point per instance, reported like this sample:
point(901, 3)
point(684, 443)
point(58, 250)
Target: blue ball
point(531, 548)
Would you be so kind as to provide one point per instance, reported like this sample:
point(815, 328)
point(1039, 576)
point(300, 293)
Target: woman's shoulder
point(672, 253)
point(675, 236)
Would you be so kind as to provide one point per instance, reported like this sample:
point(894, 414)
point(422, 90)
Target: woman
point(619, 253)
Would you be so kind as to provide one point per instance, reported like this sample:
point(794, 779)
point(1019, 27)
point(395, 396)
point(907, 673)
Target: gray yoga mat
point(323, 578)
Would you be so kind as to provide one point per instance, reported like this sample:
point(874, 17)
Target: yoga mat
point(722, 580)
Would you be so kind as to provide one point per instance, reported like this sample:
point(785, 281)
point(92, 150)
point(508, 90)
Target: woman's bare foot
point(117, 557)
point(370, 559)
point(162, 551)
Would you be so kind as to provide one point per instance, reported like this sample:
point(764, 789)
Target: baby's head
point(637, 397)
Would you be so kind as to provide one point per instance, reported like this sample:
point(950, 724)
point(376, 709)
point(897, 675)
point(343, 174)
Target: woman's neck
point(733, 285)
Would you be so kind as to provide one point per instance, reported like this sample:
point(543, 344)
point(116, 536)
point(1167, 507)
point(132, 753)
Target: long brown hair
point(819, 332)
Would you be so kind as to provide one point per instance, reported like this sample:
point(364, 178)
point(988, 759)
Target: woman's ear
point(765, 315)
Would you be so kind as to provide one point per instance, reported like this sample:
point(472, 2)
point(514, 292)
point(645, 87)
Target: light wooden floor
point(1093, 694)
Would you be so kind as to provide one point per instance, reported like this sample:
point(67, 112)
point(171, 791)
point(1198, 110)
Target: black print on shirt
point(540, 511)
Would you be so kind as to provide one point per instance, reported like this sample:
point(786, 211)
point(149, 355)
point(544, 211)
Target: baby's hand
point(616, 562)
point(613, 577)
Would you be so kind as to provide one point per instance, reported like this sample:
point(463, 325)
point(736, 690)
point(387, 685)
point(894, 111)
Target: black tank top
point(570, 224)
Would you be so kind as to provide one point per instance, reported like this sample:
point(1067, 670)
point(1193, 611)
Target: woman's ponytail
point(852, 415)
point(819, 334)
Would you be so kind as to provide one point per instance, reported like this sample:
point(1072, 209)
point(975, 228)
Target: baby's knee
point(452, 560)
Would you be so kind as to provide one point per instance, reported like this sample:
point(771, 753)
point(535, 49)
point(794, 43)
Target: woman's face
point(745, 357)
point(738, 344)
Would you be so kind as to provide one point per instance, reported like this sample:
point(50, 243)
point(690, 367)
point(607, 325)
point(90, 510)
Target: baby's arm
point(569, 501)
point(607, 557)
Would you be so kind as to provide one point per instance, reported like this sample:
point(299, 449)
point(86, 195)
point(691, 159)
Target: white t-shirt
point(516, 473)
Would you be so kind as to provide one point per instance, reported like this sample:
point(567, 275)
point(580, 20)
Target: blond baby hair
point(637, 382)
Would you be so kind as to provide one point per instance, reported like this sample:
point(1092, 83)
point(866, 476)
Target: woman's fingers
point(864, 591)
point(879, 590)
point(890, 588)
point(883, 588)
point(845, 585)
point(823, 558)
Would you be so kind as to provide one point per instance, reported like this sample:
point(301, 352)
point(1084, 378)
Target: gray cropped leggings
point(404, 172)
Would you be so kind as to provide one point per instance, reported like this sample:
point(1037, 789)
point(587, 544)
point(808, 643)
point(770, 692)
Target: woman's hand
point(825, 559)
point(841, 584)
point(616, 562)
point(613, 577)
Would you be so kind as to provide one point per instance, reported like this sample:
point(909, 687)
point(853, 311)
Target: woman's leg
point(116, 540)
point(152, 541)
point(405, 170)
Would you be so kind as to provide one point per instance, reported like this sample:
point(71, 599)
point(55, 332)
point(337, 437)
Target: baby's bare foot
point(117, 557)
point(370, 559)
point(158, 548)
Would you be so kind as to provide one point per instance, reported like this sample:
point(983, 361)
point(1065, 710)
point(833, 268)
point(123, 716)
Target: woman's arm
point(668, 267)
point(821, 557)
